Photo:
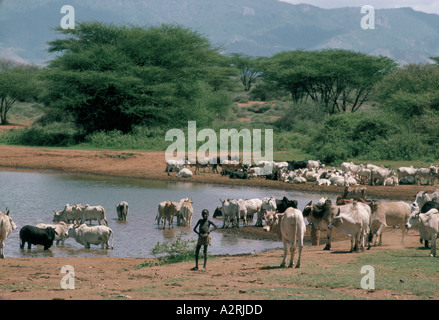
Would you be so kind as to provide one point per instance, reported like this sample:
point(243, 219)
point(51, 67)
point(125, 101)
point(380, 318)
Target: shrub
point(297, 114)
point(173, 251)
point(140, 138)
point(58, 134)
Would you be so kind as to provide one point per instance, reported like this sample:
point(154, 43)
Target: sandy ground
point(230, 277)
point(226, 278)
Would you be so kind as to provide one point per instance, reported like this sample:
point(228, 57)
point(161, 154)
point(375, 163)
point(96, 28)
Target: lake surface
point(32, 198)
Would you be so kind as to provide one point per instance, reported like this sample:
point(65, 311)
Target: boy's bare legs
point(197, 252)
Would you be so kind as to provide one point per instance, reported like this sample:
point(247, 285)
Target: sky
point(428, 6)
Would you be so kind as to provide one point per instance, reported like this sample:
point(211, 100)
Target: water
point(32, 198)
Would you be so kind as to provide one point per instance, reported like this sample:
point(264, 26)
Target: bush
point(140, 138)
point(171, 252)
point(350, 135)
point(57, 134)
point(379, 136)
point(298, 114)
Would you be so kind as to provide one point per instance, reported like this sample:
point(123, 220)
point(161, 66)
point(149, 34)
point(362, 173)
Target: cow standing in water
point(122, 210)
point(6, 227)
point(34, 236)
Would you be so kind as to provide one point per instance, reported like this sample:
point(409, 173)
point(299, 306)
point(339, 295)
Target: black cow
point(226, 172)
point(218, 212)
point(34, 235)
point(429, 205)
point(293, 165)
point(283, 204)
point(238, 175)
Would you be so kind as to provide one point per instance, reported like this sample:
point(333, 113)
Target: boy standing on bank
point(203, 236)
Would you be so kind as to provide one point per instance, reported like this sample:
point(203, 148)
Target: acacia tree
point(411, 90)
point(248, 66)
point(18, 82)
point(113, 77)
point(339, 80)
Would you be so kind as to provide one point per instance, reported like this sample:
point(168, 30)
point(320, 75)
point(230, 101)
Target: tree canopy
point(17, 83)
point(411, 90)
point(114, 77)
point(340, 80)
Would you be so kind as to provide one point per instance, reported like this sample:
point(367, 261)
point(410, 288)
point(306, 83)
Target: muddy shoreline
point(151, 165)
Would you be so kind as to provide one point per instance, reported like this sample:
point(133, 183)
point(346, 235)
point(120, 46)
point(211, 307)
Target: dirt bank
point(151, 165)
point(244, 277)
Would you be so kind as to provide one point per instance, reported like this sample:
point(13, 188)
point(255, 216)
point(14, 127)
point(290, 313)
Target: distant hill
point(254, 27)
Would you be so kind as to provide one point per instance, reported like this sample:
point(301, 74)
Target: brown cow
point(354, 193)
point(389, 214)
point(166, 211)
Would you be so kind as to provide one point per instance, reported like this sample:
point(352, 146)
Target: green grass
point(410, 272)
point(24, 113)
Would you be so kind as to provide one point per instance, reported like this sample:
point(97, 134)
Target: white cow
point(252, 206)
point(350, 167)
point(354, 222)
point(268, 204)
point(186, 212)
point(68, 214)
point(378, 175)
point(90, 213)
point(242, 212)
point(428, 225)
point(405, 172)
point(314, 164)
point(230, 210)
point(389, 214)
point(6, 227)
point(184, 173)
point(122, 210)
point(290, 228)
point(60, 230)
point(174, 165)
point(323, 182)
point(422, 197)
point(298, 180)
point(86, 235)
point(349, 180)
point(337, 180)
point(391, 181)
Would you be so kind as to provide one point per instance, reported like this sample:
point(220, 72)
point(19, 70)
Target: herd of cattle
point(361, 219)
point(69, 223)
point(297, 172)
point(350, 213)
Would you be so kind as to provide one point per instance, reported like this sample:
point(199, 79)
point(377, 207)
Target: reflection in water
point(32, 197)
